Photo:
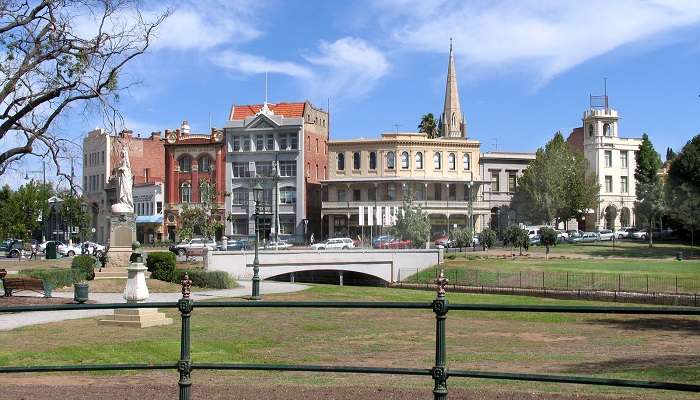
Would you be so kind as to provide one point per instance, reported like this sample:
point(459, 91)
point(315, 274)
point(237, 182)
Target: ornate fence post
point(439, 371)
point(184, 366)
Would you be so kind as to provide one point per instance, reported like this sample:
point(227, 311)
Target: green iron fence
point(439, 372)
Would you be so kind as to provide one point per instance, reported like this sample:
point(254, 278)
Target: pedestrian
point(34, 252)
point(311, 239)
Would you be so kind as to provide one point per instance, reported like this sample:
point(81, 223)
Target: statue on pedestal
point(122, 222)
point(125, 183)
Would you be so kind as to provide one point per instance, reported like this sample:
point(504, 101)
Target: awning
point(149, 219)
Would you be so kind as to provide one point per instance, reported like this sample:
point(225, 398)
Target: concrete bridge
point(381, 264)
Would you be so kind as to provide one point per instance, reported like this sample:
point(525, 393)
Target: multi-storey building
point(612, 158)
point(194, 165)
point(501, 170)
point(148, 208)
point(101, 157)
point(284, 147)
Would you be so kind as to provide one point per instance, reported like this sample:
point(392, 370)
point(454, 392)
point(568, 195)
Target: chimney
point(155, 135)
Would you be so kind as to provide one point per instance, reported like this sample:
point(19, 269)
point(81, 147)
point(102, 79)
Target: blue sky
point(525, 68)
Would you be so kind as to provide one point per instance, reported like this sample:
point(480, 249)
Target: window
point(372, 194)
point(186, 193)
point(495, 181)
point(341, 195)
point(512, 181)
point(419, 160)
point(391, 192)
point(341, 161)
point(437, 160)
point(467, 192)
point(267, 196)
point(102, 158)
point(240, 170)
point(608, 158)
point(159, 207)
point(606, 129)
point(239, 196)
point(185, 164)
point(263, 168)
point(466, 161)
point(239, 226)
point(372, 160)
point(356, 160)
point(146, 174)
point(293, 141)
point(437, 189)
point(204, 164)
point(404, 160)
point(356, 195)
point(288, 195)
point(316, 171)
point(316, 145)
point(236, 143)
point(390, 160)
point(419, 193)
point(624, 188)
point(287, 225)
point(259, 143)
point(590, 130)
point(608, 184)
point(85, 184)
point(270, 142)
point(246, 143)
point(452, 192)
point(283, 142)
point(451, 163)
point(623, 159)
point(288, 168)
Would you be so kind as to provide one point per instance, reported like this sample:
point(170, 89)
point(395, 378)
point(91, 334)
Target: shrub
point(55, 277)
point(462, 237)
point(85, 264)
point(488, 238)
point(161, 265)
point(207, 279)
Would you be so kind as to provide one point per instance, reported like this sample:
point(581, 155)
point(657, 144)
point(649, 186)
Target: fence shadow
point(685, 325)
point(633, 364)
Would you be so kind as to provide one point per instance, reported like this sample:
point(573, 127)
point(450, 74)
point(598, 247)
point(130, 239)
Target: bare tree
point(59, 55)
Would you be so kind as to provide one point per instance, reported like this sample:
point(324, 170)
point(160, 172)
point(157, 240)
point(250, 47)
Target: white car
point(336, 243)
point(272, 245)
point(69, 250)
point(605, 235)
point(93, 248)
point(59, 245)
point(640, 234)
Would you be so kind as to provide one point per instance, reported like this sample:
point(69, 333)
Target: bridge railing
point(439, 371)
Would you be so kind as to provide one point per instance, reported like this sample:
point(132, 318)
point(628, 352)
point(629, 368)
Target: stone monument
point(136, 291)
point(122, 220)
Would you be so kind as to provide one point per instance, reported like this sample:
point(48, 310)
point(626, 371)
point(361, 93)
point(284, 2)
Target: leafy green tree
point(462, 237)
point(548, 237)
point(650, 199)
point(683, 186)
point(670, 154)
point(193, 222)
point(412, 224)
point(488, 238)
point(22, 212)
point(514, 236)
point(75, 213)
point(428, 125)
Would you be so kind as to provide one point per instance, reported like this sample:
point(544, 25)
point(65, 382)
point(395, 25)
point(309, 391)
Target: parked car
point(397, 244)
point(335, 243)
point(624, 232)
point(194, 243)
point(93, 248)
point(59, 244)
point(272, 245)
point(639, 234)
point(442, 241)
point(5, 244)
point(380, 239)
point(534, 240)
point(605, 235)
point(14, 248)
point(69, 250)
point(561, 235)
point(238, 244)
point(584, 237)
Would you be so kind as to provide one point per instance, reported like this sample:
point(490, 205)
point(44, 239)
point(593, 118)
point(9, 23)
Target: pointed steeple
point(452, 121)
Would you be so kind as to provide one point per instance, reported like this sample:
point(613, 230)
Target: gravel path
point(17, 320)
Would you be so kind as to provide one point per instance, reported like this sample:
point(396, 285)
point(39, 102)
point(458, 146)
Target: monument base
point(137, 318)
point(118, 256)
point(122, 235)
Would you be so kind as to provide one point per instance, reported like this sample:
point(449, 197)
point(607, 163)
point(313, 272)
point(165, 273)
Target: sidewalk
point(18, 320)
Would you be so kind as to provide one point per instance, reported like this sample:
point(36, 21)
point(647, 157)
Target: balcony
point(426, 205)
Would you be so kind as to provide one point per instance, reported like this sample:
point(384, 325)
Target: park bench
point(25, 283)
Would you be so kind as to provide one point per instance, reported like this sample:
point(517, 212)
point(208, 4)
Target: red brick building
point(190, 160)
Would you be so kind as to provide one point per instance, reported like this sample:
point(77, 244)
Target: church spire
point(452, 121)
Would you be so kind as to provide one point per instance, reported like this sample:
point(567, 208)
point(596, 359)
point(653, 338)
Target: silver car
point(605, 235)
point(336, 243)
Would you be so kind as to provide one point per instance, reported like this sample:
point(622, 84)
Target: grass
point(632, 347)
point(624, 248)
point(117, 285)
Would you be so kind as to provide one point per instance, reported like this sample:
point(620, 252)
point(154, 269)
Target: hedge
point(86, 264)
point(161, 265)
point(55, 277)
point(207, 279)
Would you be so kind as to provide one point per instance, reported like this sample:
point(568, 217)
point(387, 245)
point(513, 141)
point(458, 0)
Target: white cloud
point(348, 67)
point(548, 37)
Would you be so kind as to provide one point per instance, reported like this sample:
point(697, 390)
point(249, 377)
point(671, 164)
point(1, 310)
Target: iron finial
point(186, 285)
point(441, 282)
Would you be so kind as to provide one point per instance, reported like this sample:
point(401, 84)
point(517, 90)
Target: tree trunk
point(546, 252)
point(651, 225)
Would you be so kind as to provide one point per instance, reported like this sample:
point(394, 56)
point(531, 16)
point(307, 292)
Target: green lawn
point(633, 347)
point(624, 248)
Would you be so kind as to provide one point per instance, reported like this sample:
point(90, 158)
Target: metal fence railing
point(438, 372)
point(560, 280)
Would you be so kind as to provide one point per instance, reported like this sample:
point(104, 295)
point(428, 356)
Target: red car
point(396, 244)
point(443, 241)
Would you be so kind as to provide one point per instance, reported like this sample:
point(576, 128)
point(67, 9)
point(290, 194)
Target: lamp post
point(257, 196)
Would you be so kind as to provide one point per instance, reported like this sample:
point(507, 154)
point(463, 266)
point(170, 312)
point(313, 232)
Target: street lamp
point(257, 197)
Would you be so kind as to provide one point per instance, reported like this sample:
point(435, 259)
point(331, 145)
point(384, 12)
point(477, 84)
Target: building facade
point(283, 146)
point(148, 208)
point(101, 158)
point(613, 159)
point(195, 172)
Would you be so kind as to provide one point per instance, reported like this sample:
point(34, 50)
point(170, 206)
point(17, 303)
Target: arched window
point(373, 160)
point(185, 164)
point(390, 160)
point(606, 129)
point(404, 160)
point(288, 195)
point(356, 161)
point(454, 119)
point(590, 130)
point(341, 161)
point(466, 161)
point(437, 160)
point(451, 163)
point(186, 193)
point(204, 164)
point(419, 160)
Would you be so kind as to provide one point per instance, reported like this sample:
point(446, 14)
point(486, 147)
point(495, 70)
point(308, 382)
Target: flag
point(361, 216)
point(370, 221)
